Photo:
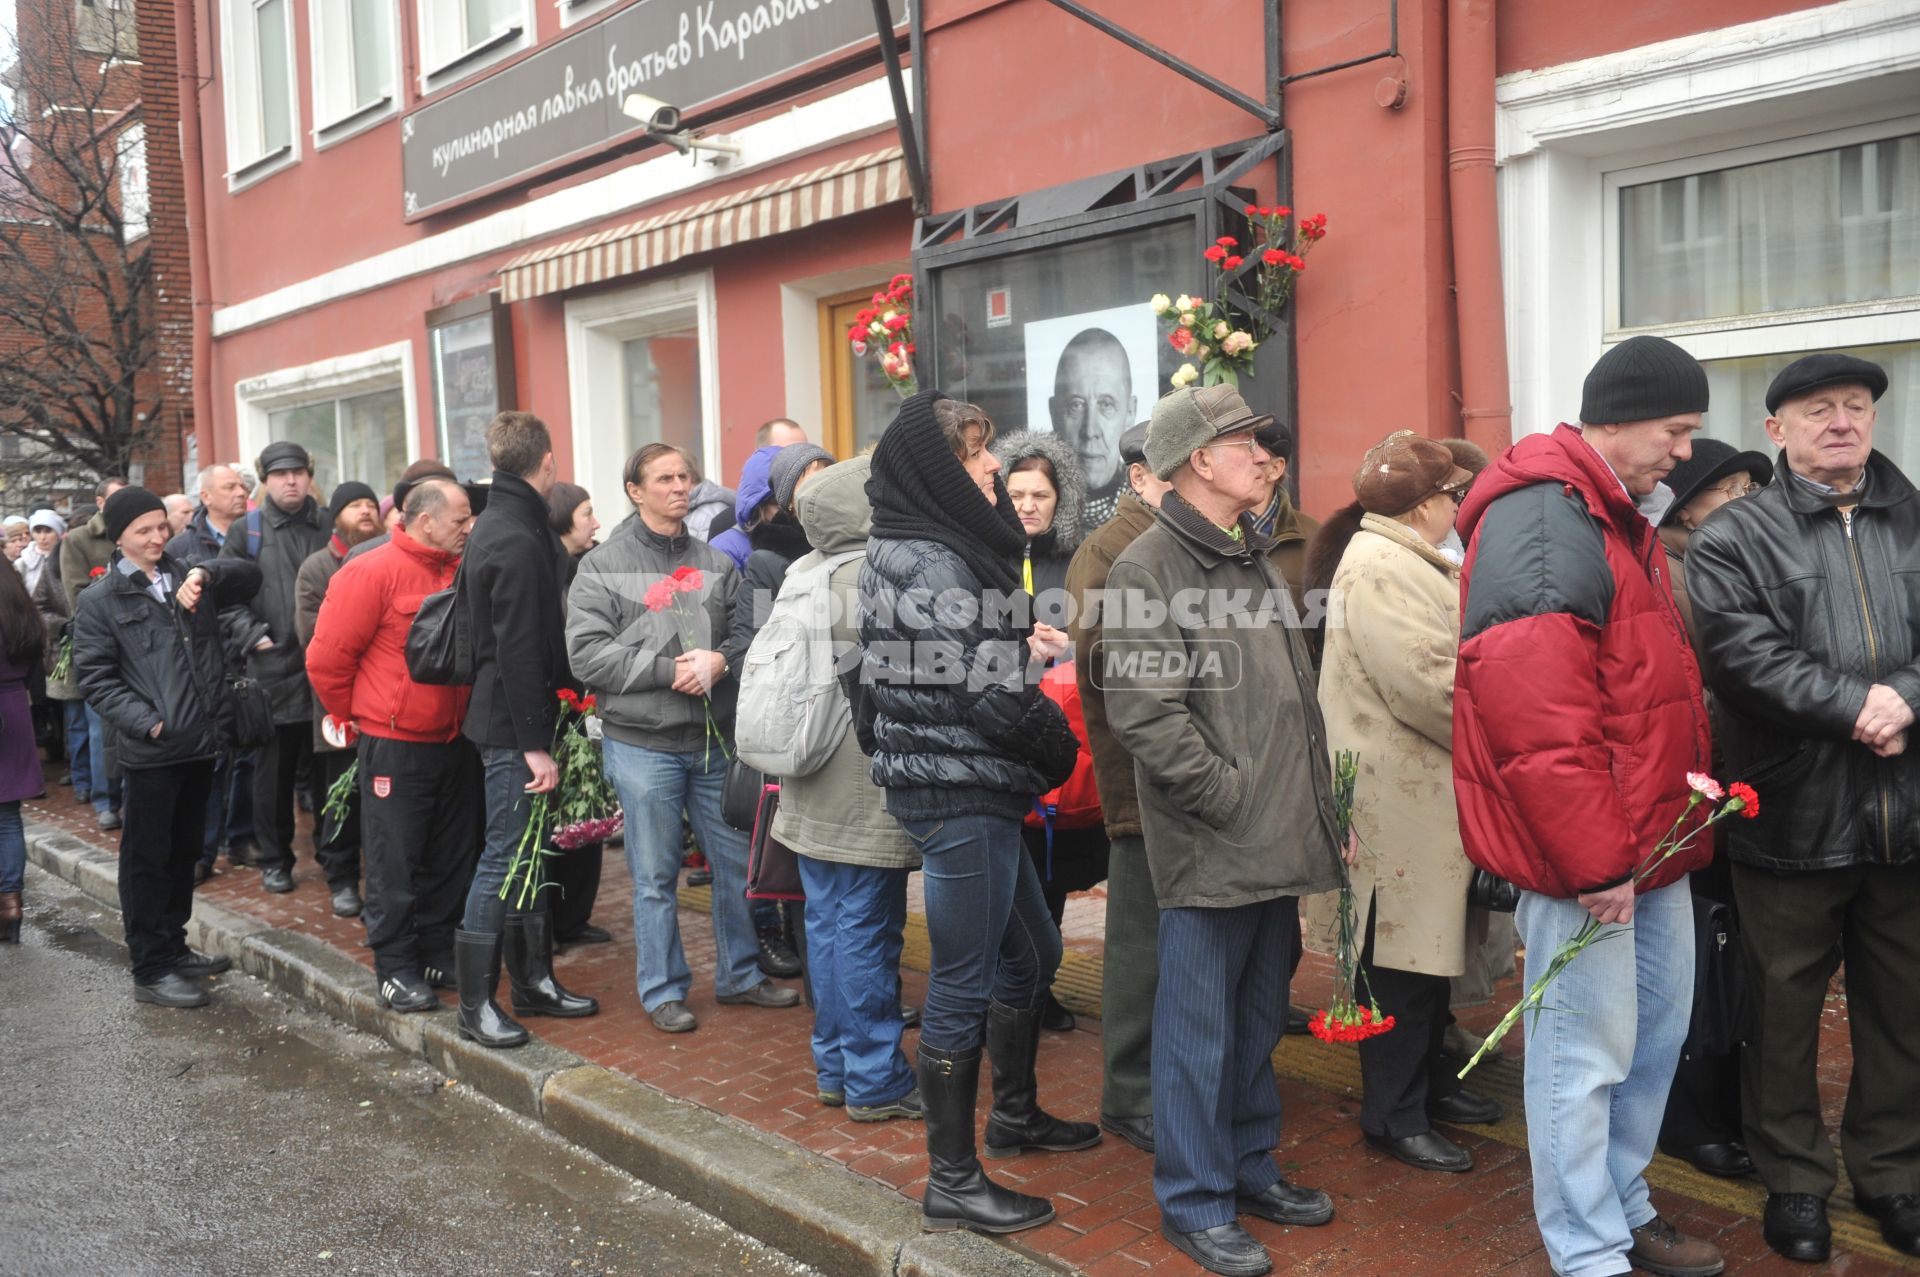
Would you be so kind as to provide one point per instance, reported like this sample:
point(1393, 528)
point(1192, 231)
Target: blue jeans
point(509, 806)
point(654, 788)
point(229, 807)
point(13, 852)
point(79, 751)
point(856, 915)
point(1599, 1062)
point(987, 925)
point(106, 789)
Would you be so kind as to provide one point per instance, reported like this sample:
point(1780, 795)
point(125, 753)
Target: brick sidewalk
point(755, 1066)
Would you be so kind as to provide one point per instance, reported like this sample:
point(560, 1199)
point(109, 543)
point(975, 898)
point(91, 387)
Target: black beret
point(283, 455)
point(1133, 445)
point(1810, 372)
point(348, 493)
point(127, 505)
point(1276, 438)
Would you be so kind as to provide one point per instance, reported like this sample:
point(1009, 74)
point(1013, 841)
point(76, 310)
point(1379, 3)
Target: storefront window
point(662, 391)
point(472, 351)
point(361, 437)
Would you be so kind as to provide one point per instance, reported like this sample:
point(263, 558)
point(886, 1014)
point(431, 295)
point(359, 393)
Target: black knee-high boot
point(959, 1194)
point(529, 945)
point(1017, 1122)
point(476, 969)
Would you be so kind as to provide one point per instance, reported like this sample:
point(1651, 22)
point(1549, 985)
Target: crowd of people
point(1526, 654)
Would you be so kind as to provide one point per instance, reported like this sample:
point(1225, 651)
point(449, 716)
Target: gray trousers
point(1129, 976)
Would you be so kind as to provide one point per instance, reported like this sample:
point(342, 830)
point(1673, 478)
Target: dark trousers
point(164, 814)
point(1704, 1105)
point(1401, 1071)
point(336, 843)
point(1789, 924)
point(422, 842)
point(576, 878)
point(274, 778)
point(987, 926)
point(1128, 978)
point(1221, 1009)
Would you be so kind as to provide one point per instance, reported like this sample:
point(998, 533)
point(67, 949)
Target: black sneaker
point(907, 1106)
point(405, 991)
point(777, 957)
point(202, 964)
point(278, 881)
point(171, 990)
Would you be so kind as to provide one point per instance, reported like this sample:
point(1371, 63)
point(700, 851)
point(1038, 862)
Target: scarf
point(782, 535)
point(33, 561)
point(921, 492)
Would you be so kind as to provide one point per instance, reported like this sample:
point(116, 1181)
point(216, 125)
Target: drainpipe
point(186, 60)
point(1486, 408)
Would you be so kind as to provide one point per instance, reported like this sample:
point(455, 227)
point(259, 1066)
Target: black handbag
point(773, 870)
point(440, 641)
point(248, 712)
point(1723, 1013)
point(741, 794)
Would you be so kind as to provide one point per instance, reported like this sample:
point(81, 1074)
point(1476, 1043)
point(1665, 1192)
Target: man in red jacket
point(420, 783)
point(1577, 716)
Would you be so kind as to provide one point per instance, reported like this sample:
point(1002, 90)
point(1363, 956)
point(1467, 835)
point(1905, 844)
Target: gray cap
point(1192, 418)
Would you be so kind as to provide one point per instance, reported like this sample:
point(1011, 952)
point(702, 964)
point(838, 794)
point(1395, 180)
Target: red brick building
point(419, 210)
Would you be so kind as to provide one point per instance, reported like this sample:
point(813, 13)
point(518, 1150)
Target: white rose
point(1221, 330)
point(1161, 305)
point(1185, 377)
point(1186, 319)
point(1183, 302)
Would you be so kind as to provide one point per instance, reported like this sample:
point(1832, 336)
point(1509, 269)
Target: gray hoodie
point(838, 813)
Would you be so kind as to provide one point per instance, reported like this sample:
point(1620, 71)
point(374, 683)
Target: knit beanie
point(784, 471)
point(126, 505)
point(1642, 379)
point(348, 493)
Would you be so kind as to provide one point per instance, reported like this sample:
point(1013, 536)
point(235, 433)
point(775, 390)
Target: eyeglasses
point(1734, 489)
point(1251, 445)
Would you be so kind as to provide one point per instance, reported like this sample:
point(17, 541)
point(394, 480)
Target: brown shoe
point(1659, 1247)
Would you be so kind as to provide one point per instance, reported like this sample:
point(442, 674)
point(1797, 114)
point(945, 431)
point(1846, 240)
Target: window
point(457, 32)
point(134, 202)
point(259, 89)
point(361, 437)
point(353, 61)
point(1741, 386)
point(858, 399)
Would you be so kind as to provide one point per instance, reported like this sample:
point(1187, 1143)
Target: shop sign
point(563, 101)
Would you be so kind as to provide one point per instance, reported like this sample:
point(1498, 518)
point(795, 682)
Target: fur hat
point(1069, 515)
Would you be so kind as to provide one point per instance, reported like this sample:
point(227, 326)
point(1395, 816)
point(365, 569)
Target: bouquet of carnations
point(1347, 1018)
point(678, 595)
point(580, 809)
point(1207, 332)
point(885, 330)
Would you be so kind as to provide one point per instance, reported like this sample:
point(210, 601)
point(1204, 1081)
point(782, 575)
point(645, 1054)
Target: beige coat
point(1386, 690)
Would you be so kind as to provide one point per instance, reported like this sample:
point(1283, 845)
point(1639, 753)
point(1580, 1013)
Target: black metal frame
point(1204, 188)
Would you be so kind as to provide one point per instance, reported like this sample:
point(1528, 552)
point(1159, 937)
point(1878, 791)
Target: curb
point(797, 1202)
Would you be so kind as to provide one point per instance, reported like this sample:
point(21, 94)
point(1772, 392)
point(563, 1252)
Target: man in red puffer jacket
point(421, 802)
point(1577, 716)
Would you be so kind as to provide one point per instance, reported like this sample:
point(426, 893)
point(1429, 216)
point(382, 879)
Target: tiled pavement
point(754, 1065)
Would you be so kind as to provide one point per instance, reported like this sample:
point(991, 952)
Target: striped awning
point(851, 186)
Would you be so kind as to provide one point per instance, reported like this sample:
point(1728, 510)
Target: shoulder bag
point(440, 641)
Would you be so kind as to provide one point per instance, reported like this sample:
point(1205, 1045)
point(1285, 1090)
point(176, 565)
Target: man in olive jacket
point(1210, 689)
point(1810, 634)
point(289, 526)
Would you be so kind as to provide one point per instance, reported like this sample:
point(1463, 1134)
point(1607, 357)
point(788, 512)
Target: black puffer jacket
point(140, 661)
point(1800, 609)
point(286, 540)
point(957, 727)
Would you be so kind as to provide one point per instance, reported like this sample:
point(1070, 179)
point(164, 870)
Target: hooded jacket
point(705, 505)
point(1210, 689)
point(624, 653)
point(837, 813)
point(286, 539)
point(1801, 609)
point(1049, 553)
point(1577, 708)
point(754, 491)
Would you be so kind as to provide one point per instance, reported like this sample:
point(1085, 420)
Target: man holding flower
point(1811, 638)
point(1577, 716)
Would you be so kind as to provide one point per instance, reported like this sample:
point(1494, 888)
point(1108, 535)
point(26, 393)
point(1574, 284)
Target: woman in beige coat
point(1386, 690)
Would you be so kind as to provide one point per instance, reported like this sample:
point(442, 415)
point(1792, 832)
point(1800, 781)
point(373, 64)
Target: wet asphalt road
point(257, 1137)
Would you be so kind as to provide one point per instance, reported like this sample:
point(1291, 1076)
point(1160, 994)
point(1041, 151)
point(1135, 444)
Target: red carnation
point(1274, 257)
point(1254, 210)
point(1215, 253)
point(1227, 241)
point(1741, 792)
point(1280, 210)
point(1181, 339)
point(1232, 263)
point(686, 578)
point(659, 595)
point(96, 574)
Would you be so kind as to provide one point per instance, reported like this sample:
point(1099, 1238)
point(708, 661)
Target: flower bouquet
point(678, 596)
point(1348, 1019)
point(885, 330)
point(581, 808)
point(1219, 349)
point(1735, 799)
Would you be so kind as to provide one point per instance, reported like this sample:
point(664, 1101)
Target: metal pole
point(1179, 66)
point(909, 138)
point(917, 44)
point(1274, 63)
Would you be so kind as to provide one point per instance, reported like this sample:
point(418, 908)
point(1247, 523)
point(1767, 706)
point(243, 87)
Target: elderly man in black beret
point(289, 526)
point(1810, 626)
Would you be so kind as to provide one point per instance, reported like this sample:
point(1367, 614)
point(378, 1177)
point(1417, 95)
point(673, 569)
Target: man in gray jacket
point(650, 655)
point(1210, 688)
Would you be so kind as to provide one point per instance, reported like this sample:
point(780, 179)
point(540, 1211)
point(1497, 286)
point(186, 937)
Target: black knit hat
point(788, 464)
point(126, 505)
point(348, 493)
point(1642, 379)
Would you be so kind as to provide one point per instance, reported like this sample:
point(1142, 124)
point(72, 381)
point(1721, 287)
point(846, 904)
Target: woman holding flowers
point(1386, 691)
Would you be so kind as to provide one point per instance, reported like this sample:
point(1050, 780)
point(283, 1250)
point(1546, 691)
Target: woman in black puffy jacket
point(962, 740)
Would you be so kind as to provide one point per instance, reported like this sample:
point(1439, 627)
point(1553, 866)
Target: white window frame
point(247, 161)
point(596, 327)
point(342, 377)
point(436, 76)
point(1569, 136)
point(357, 119)
point(131, 143)
point(574, 12)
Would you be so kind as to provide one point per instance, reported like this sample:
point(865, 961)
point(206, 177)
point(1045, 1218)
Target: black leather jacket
point(1800, 610)
point(956, 728)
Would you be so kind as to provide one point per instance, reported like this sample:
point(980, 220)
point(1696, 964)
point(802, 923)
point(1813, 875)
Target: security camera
point(659, 118)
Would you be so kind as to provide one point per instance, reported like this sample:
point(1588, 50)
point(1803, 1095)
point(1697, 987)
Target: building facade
point(419, 211)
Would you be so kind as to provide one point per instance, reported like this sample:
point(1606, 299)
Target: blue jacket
point(753, 490)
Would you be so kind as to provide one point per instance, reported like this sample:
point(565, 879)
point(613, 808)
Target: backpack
point(1076, 804)
point(253, 534)
point(792, 713)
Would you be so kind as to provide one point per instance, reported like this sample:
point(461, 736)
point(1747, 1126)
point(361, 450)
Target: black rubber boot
point(476, 970)
point(529, 942)
point(1017, 1122)
point(959, 1194)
